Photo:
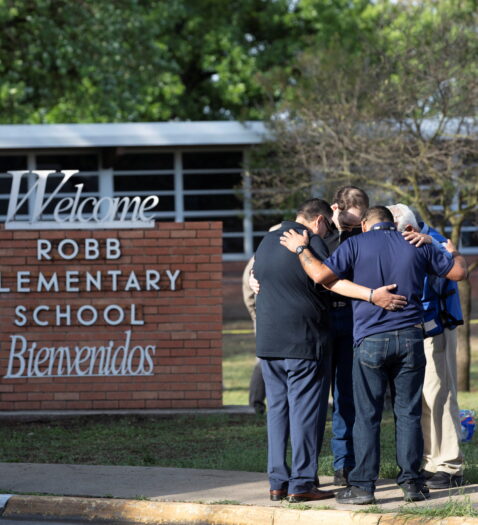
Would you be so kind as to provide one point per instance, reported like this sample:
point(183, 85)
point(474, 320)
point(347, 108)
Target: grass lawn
point(230, 442)
point(213, 441)
point(239, 360)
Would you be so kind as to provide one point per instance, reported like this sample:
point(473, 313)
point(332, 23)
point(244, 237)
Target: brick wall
point(184, 324)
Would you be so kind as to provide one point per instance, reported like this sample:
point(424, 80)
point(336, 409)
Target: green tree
point(398, 116)
point(150, 60)
point(85, 61)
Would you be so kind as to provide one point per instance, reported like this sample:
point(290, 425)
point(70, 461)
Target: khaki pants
point(440, 412)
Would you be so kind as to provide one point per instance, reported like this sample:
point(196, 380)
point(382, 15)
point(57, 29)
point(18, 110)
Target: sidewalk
point(186, 496)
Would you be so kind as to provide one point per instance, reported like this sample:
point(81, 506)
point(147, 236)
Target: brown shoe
point(314, 495)
point(277, 495)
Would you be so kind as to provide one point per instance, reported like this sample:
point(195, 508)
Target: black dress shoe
point(427, 474)
point(313, 495)
point(341, 476)
point(414, 491)
point(355, 496)
point(277, 495)
point(443, 480)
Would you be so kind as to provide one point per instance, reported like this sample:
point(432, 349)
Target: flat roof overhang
point(132, 134)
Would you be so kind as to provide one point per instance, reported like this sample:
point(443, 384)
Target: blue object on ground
point(468, 424)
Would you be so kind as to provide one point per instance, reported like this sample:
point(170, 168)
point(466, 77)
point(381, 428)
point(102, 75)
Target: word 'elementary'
point(73, 281)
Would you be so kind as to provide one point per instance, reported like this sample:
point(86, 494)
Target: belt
point(338, 304)
point(419, 325)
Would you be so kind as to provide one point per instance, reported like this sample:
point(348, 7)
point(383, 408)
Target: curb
point(151, 512)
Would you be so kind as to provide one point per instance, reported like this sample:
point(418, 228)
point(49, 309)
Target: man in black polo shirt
point(292, 340)
point(388, 344)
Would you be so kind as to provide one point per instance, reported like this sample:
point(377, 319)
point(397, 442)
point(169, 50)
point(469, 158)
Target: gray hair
point(403, 216)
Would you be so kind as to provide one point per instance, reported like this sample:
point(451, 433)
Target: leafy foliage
point(399, 116)
point(145, 60)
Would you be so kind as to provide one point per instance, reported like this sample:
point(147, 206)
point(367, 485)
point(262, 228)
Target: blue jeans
point(343, 413)
point(396, 358)
point(297, 391)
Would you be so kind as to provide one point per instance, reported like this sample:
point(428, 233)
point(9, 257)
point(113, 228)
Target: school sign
point(102, 308)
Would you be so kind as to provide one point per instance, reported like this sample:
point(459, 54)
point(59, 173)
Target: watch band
point(300, 249)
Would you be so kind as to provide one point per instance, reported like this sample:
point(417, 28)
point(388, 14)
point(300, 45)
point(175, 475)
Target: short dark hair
point(348, 197)
point(379, 213)
point(312, 208)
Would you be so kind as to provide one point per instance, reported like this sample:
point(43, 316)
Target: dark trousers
point(343, 412)
point(297, 392)
point(396, 358)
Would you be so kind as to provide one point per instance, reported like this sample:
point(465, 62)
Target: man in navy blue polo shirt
point(388, 343)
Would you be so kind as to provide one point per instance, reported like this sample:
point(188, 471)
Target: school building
point(196, 169)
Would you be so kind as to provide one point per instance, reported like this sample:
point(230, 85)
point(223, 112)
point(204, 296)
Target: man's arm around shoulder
point(459, 270)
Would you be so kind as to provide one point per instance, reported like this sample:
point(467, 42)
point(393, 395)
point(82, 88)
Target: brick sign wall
point(111, 319)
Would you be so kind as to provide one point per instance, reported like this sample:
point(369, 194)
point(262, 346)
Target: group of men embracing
point(341, 298)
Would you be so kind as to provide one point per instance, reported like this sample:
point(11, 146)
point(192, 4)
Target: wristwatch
point(300, 249)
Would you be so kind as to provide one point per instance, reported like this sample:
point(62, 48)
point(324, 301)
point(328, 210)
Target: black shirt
point(333, 241)
point(292, 316)
point(336, 237)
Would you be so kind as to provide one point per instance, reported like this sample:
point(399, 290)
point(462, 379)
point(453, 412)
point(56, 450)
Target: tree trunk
point(464, 346)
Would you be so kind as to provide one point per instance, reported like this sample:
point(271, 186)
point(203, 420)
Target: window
point(89, 184)
point(212, 160)
point(86, 163)
point(145, 173)
point(469, 238)
point(216, 201)
point(213, 190)
point(86, 180)
point(12, 163)
point(143, 161)
point(59, 162)
point(137, 183)
point(469, 235)
point(213, 181)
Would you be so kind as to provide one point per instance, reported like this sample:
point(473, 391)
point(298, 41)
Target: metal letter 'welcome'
point(69, 212)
